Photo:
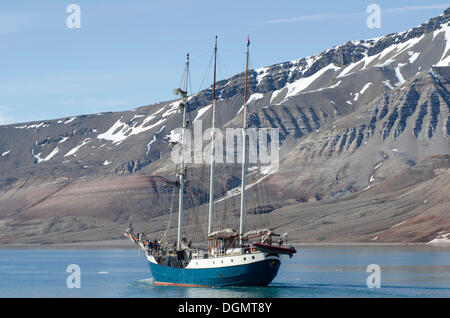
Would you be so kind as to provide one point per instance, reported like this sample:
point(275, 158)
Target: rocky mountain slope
point(364, 131)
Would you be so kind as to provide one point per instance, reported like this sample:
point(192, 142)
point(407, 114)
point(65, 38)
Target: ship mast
point(213, 148)
point(244, 150)
point(182, 172)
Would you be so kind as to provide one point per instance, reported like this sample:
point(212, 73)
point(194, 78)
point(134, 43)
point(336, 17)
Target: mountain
point(364, 151)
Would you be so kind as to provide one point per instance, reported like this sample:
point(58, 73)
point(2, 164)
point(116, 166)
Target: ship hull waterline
point(258, 273)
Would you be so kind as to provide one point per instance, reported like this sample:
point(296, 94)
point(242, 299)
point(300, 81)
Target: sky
point(128, 54)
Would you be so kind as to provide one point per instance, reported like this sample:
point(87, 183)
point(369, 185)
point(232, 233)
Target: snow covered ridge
point(66, 121)
point(41, 125)
point(46, 124)
point(358, 55)
point(395, 55)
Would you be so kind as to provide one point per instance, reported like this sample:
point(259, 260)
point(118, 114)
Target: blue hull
point(255, 274)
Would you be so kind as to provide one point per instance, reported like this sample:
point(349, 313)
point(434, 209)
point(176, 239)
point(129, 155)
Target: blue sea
point(315, 271)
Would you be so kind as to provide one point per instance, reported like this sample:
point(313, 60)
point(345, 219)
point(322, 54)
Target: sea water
point(315, 271)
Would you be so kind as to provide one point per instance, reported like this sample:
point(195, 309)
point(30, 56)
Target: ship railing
point(196, 253)
point(248, 249)
point(220, 252)
point(216, 252)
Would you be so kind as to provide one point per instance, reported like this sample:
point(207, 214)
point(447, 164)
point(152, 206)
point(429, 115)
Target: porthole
point(245, 258)
point(253, 257)
point(231, 260)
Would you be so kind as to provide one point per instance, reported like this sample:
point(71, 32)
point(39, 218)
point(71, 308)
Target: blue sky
point(131, 53)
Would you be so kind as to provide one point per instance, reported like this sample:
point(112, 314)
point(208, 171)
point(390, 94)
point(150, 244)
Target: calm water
point(333, 271)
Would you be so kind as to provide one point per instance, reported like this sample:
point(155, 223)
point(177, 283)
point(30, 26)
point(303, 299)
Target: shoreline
point(126, 244)
point(101, 245)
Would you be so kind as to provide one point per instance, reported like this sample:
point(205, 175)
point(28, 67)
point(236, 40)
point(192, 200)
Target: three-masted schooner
point(230, 259)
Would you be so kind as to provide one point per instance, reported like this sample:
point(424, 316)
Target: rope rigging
point(226, 175)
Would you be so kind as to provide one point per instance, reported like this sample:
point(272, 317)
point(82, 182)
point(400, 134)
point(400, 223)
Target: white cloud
point(325, 16)
point(416, 8)
point(300, 18)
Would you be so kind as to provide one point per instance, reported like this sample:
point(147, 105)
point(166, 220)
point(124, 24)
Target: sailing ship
point(231, 258)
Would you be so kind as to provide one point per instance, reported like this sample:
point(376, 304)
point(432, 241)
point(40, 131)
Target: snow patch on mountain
point(154, 139)
point(365, 87)
point(121, 130)
point(444, 61)
point(202, 111)
point(41, 125)
point(6, 153)
point(63, 140)
point(441, 239)
point(37, 125)
point(383, 58)
point(323, 88)
point(149, 144)
point(74, 150)
point(254, 97)
point(172, 110)
point(270, 168)
point(398, 224)
point(262, 72)
point(136, 116)
point(388, 84)
point(303, 83)
point(174, 136)
point(346, 70)
point(399, 75)
point(50, 155)
point(413, 56)
point(274, 95)
point(70, 120)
